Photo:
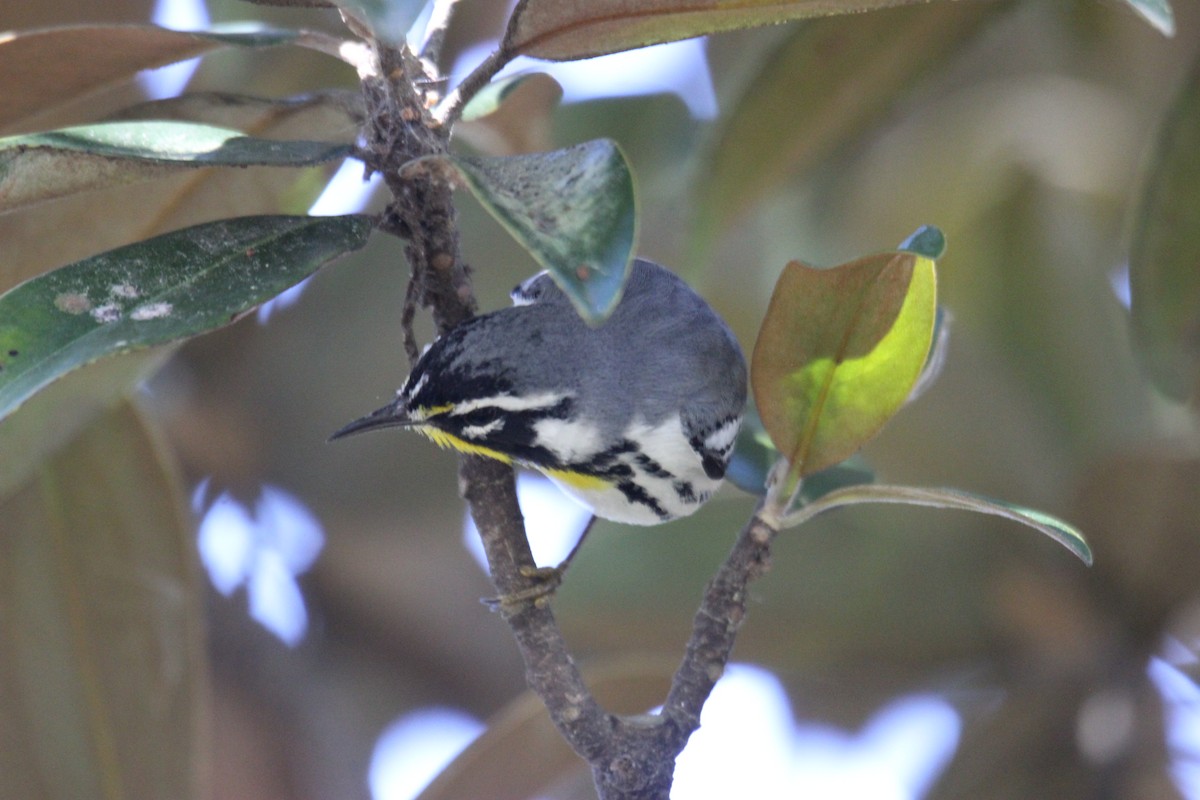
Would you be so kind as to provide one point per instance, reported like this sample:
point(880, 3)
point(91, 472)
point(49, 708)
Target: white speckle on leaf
point(124, 290)
point(109, 312)
point(72, 302)
point(151, 311)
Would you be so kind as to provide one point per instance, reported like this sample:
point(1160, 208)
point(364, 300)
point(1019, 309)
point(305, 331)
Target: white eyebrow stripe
point(508, 402)
point(418, 387)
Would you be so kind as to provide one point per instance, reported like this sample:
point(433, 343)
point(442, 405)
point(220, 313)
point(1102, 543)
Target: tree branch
point(631, 757)
point(488, 486)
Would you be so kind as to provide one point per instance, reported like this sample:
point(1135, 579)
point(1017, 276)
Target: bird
point(635, 418)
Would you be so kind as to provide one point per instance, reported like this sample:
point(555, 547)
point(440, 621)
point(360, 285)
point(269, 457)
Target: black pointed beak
point(390, 416)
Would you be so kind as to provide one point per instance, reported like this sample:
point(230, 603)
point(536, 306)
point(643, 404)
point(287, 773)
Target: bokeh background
point(890, 652)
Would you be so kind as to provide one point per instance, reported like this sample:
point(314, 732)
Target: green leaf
point(819, 90)
point(41, 166)
point(389, 20)
point(1164, 261)
point(927, 241)
point(1157, 12)
point(839, 352)
point(102, 670)
point(574, 210)
point(160, 290)
point(74, 61)
point(1066, 535)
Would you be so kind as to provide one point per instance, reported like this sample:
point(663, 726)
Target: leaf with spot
point(43, 69)
point(1164, 260)
point(839, 352)
point(41, 166)
point(574, 210)
point(160, 290)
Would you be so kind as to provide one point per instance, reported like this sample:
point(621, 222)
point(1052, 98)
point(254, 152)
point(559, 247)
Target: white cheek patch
point(570, 441)
point(666, 444)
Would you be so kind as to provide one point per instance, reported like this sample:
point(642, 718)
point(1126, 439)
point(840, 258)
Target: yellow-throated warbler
point(636, 418)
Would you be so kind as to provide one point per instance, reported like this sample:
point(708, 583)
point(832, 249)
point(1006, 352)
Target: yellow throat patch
point(576, 480)
point(452, 442)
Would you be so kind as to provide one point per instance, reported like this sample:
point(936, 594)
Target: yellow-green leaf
point(839, 352)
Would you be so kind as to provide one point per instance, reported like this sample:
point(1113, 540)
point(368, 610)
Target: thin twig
point(489, 488)
point(716, 623)
point(449, 110)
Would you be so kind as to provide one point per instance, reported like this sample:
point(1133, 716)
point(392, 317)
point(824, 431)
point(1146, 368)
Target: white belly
point(667, 481)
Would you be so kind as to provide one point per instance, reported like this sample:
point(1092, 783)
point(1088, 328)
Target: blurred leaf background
point(1022, 129)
